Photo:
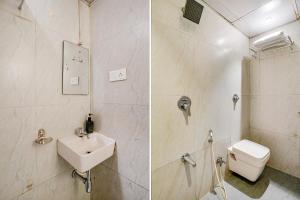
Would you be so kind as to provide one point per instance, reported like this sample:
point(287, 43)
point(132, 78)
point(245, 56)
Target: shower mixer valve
point(184, 104)
point(220, 161)
point(235, 99)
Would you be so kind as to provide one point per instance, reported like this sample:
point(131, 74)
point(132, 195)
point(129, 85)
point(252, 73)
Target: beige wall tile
point(207, 63)
point(275, 103)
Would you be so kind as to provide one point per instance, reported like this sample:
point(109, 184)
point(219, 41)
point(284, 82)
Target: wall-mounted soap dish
point(42, 139)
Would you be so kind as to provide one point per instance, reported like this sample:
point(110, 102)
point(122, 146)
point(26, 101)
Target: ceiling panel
point(267, 17)
point(222, 9)
point(253, 17)
point(235, 9)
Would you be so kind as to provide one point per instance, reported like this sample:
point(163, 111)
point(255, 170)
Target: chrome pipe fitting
point(87, 180)
point(210, 139)
point(220, 161)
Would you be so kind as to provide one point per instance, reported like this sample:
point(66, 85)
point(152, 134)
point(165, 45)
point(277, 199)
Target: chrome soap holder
point(42, 139)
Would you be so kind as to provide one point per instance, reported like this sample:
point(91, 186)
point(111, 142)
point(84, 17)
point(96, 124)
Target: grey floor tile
point(272, 185)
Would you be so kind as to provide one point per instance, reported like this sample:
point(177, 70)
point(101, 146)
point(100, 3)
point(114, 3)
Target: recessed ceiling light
point(270, 6)
point(220, 42)
point(269, 18)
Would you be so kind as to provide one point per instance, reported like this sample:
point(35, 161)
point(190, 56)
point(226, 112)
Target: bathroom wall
point(275, 102)
point(120, 35)
point(31, 98)
point(207, 63)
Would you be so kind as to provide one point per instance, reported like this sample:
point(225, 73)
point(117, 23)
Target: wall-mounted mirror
point(75, 69)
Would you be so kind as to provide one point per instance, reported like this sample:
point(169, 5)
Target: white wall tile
point(27, 11)
point(57, 188)
point(129, 49)
point(129, 126)
point(31, 98)
point(120, 35)
point(117, 17)
point(177, 180)
point(17, 66)
point(60, 16)
point(110, 185)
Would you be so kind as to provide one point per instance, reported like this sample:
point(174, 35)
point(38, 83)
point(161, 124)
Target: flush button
point(74, 80)
point(118, 75)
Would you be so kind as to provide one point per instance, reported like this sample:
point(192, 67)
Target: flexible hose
point(220, 180)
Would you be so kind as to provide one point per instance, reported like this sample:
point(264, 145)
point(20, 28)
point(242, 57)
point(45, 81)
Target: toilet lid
point(251, 149)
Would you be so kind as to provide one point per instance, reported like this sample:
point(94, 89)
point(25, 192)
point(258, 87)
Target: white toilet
point(248, 159)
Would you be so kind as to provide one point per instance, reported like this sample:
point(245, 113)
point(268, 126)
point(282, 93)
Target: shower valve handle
point(186, 107)
point(184, 104)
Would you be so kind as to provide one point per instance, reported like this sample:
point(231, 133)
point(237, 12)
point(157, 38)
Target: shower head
point(192, 11)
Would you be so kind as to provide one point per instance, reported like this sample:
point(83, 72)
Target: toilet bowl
point(248, 159)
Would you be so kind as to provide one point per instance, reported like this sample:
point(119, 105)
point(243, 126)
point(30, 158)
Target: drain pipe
point(87, 181)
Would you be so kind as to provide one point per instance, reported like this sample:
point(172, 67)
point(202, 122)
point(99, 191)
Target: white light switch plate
point(74, 80)
point(118, 75)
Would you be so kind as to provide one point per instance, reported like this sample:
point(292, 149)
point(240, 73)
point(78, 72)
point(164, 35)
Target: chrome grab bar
point(186, 158)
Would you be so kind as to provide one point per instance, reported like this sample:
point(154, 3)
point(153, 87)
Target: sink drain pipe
point(85, 178)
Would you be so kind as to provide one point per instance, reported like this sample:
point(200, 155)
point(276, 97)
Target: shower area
point(237, 90)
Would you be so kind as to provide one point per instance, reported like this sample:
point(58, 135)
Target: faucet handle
point(41, 133)
point(79, 132)
point(186, 158)
point(42, 139)
point(188, 108)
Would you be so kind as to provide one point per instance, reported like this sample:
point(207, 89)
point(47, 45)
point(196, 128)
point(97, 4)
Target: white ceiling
point(253, 17)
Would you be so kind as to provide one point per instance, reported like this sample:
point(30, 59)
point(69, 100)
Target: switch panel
point(118, 75)
point(74, 80)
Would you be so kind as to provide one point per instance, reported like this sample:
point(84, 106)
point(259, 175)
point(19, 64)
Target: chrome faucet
point(80, 132)
point(186, 158)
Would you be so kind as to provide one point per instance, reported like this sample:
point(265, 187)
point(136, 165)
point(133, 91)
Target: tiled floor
point(272, 185)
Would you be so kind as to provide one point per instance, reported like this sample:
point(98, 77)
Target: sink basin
point(85, 153)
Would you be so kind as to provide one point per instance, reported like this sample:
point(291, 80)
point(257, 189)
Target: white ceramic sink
point(85, 153)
